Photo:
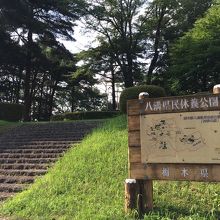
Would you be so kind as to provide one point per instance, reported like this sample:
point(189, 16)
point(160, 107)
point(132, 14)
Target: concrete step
point(63, 146)
point(23, 172)
point(47, 134)
point(37, 145)
point(26, 140)
point(25, 166)
point(50, 133)
point(12, 188)
point(29, 155)
point(29, 150)
point(34, 151)
point(5, 195)
point(44, 135)
point(39, 142)
point(16, 179)
point(27, 160)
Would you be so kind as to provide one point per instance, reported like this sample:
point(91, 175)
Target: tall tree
point(117, 22)
point(139, 32)
point(101, 63)
point(54, 64)
point(30, 19)
point(80, 93)
point(167, 20)
point(195, 56)
point(11, 67)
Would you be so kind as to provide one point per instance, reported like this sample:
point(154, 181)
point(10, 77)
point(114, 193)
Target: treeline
point(136, 45)
point(35, 68)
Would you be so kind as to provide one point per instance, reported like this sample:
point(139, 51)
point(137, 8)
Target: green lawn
point(88, 183)
point(5, 125)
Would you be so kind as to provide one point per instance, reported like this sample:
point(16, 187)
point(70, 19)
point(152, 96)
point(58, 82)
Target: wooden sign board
point(175, 138)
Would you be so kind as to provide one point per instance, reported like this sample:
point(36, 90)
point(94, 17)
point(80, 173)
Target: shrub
point(84, 115)
point(59, 117)
point(133, 92)
point(73, 115)
point(11, 112)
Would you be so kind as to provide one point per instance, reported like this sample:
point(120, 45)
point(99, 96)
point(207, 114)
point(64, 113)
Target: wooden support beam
point(138, 196)
point(148, 189)
point(131, 190)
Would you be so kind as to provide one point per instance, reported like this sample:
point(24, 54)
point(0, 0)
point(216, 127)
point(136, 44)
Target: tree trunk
point(156, 47)
point(18, 88)
point(128, 76)
point(129, 71)
point(128, 80)
point(71, 99)
point(27, 81)
point(33, 84)
point(113, 87)
point(33, 94)
point(50, 109)
point(41, 97)
point(126, 72)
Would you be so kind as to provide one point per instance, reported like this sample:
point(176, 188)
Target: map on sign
point(189, 137)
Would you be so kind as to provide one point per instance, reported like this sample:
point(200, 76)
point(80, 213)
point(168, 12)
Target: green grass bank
point(88, 184)
point(6, 125)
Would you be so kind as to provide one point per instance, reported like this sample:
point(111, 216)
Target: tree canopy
point(170, 43)
point(196, 56)
point(34, 65)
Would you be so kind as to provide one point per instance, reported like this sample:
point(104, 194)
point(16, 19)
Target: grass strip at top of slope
point(87, 183)
point(6, 125)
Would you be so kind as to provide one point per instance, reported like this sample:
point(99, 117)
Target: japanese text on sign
point(190, 103)
point(185, 172)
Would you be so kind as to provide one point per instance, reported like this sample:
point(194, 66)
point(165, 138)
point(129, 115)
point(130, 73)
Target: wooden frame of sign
point(145, 172)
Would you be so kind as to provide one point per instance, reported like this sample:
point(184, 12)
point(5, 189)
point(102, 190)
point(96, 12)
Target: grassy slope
point(85, 184)
point(88, 183)
point(5, 125)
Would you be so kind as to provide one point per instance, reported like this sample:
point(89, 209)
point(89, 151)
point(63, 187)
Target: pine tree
point(31, 19)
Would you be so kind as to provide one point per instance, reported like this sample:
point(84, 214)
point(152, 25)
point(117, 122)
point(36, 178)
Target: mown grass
point(6, 125)
point(88, 183)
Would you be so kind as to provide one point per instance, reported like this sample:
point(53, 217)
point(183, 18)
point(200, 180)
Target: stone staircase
point(28, 150)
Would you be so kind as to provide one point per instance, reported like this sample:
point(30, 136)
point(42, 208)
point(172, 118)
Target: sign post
point(172, 138)
point(138, 193)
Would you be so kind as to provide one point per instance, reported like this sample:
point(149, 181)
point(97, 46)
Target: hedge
point(11, 112)
point(84, 115)
point(59, 117)
point(133, 93)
